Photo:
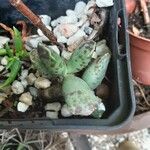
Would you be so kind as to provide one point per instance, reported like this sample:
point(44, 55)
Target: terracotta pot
point(130, 6)
point(140, 58)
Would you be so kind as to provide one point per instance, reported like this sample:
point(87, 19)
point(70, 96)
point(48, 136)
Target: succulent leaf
point(95, 73)
point(37, 63)
point(79, 98)
point(49, 60)
point(81, 57)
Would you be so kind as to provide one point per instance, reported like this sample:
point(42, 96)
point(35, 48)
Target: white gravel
point(107, 142)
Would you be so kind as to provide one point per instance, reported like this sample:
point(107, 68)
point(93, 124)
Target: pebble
point(94, 55)
point(40, 33)
point(26, 98)
point(24, 83)
point(52, 115)
point(1, 68)
point(31, 79)
point(45, 19)
point(24, 74)
point(2, 97)
point(33, 91)
point(3, 40)
point(69, 12)
point(32, 41)
point(72, 14)
point(42, 83)
point(54, 23)
point(79, 8)
point(65, 111)
point(82, 21)
point(61, 39)
point(104, 3)
point(37, 74)
point(88, 30)
point(103, 91)
point(55, 48)
point(17, 87)
point(66, 54)
point(4, 60)
point(53, 106)
point(76, 37)
point(22, 107)
point(88, 9)
point(56, 32)
point(67, 30)
point(66, 20)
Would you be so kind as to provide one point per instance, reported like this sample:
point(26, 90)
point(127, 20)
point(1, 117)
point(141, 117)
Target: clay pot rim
point(137, 36)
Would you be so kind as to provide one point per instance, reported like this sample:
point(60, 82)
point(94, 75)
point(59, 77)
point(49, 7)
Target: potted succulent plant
point(139, 31)
point(29, 67)
point(137, 13)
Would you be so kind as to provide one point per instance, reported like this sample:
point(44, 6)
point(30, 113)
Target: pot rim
point(137, 36)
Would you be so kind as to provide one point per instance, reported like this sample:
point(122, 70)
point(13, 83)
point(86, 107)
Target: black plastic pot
point(120, 106)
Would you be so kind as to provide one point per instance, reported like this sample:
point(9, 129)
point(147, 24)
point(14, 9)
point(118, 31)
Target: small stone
point(55, 48)
point(24, 74)
point(26, 98)
point(53, 106)
point(42, 83)
point(76, 37)
point(89, 9)
point(79, 8)
point(52, 115)
point(24, 83)
point(31, 79)
point(33, 91)
point(67, 20)
point(128, 145)
point(103, 91)
point(22, 107)
point(94, 55)
point(3, 40)
point(56, 32)
point(76, 43)
point(65, 111)
point(104, 3)
point(82, 21)
point(17, 87)
point(1, 68)
point(54, 23)
point(37, 74)
point(61, 39)
point(3, 97)
point(66, 54)
point(88, 30)
point(4, 61)
point(41, 33)
point(32, 41)
point(45, 19)
point(67, 30)
point(72, 14)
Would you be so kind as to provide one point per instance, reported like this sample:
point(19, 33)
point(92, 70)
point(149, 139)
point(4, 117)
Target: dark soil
point(142, 95)
point(137, 20)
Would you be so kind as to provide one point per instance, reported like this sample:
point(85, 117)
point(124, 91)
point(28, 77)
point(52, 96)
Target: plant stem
point(20, 6)
point(7, 29)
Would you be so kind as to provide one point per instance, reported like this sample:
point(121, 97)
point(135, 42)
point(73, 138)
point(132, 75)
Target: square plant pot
point(120, 106)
